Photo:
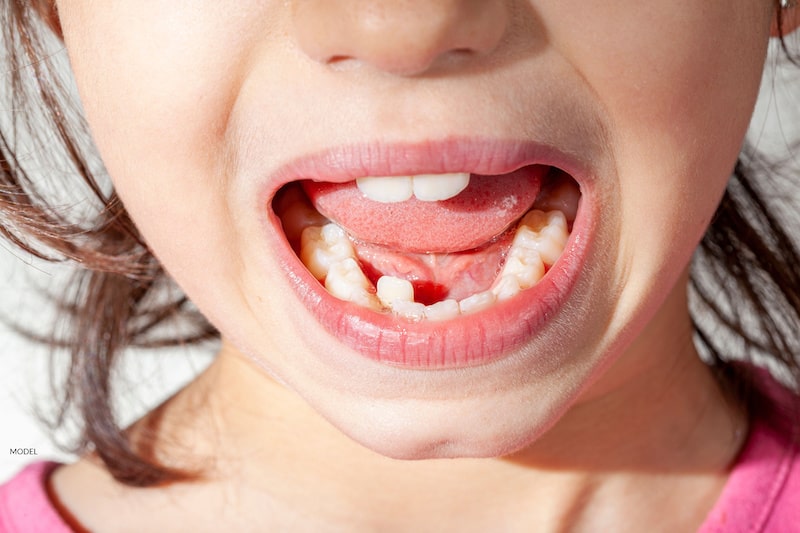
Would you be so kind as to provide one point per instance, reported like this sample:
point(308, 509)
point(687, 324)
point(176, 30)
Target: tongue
point(482, 211)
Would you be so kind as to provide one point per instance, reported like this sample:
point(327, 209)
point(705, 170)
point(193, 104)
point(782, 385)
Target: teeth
point(425, 187)
point(323, 246)
point(411, 310)
point(347, 282)
point(391, 290)
point(329, 255)
point(444, 310)
point(545, 233)
point(476, 302)
point(436, 187)
point(387, 190)
point(539, 241)
point(506, 286)
point(523, 269)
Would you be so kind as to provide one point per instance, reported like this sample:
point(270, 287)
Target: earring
point(788, 4)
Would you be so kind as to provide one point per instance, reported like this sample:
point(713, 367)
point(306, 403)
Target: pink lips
point(467, 340)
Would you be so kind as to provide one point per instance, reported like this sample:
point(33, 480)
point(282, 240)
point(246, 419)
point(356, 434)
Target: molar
point(323, 246)
point(545, 233)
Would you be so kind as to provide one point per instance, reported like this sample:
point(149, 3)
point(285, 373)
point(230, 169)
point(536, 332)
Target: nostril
point(338, 59)
point(402, 38)
point(459, 55)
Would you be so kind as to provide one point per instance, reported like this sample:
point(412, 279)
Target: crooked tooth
point(386, 189)
point(346, 281)
point(477, 302)
point(398, 295)
point(545, 233)
point(539, 240)
point(391, 289)
point(329, 255)
point(437, 187)
point(444, 310)
point(323, 246)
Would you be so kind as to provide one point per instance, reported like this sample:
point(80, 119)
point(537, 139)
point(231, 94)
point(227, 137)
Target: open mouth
point(431, 247)
point(400, 266)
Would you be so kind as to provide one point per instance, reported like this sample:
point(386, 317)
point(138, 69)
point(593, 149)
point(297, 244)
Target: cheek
point(679, 81)
point(158, 110)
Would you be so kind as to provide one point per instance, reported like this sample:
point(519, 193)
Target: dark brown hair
point(120, 296)
point(746, 273)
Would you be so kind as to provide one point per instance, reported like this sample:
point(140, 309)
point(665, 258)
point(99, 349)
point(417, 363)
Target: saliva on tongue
point(447, 249)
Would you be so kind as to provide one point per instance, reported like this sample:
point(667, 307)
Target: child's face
point(203, 110)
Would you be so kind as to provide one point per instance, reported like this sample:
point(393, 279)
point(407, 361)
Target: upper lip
point(453, 154)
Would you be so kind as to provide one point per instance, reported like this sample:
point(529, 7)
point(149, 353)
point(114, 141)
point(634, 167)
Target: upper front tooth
point(425, 187)
point(386, 190)
point(436, 187)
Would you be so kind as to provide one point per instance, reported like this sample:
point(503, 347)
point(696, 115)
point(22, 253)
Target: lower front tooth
point(476, 302)
point(346, 281)
point(391, 289)
point(411, 310)
point(444, 310)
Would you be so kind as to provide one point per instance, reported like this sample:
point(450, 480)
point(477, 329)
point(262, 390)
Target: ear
point(48, 12)
point(785, 21)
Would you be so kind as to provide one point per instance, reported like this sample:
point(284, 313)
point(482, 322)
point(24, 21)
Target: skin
point(192, 104)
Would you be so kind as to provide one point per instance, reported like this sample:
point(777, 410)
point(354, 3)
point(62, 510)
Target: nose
point(401, 37)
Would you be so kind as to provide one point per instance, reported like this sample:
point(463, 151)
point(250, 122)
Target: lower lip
point(465, 341)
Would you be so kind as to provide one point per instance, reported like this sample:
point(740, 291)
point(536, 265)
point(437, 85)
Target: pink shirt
point(761, 495)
